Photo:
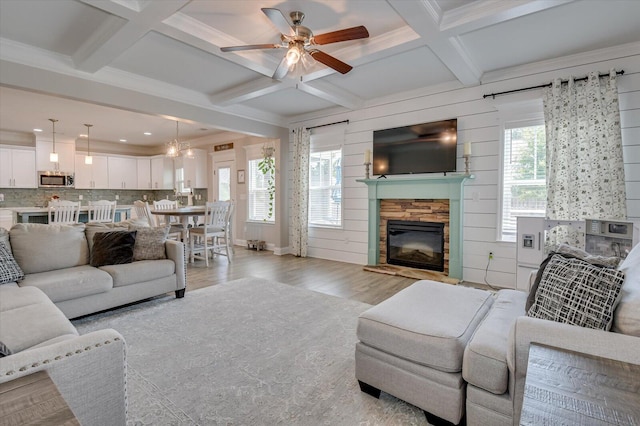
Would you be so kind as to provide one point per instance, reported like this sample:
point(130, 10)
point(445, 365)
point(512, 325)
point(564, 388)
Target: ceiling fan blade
point(250, 47)
point(280, 22)
point(341, 35)
point(282, 70)
point(330, 61)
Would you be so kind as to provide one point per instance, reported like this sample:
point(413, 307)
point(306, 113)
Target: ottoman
point(412, 344)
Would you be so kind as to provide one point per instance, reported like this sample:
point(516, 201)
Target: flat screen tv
point(420, 148)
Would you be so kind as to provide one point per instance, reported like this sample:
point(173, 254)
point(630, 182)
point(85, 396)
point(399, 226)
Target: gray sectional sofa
point(56, 259)
point(89, 371)
point(457, 352)
point(59, 283)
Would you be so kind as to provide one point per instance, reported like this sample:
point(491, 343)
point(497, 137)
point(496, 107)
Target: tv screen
point(421, 148)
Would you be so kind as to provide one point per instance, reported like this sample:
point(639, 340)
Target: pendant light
point(53, 156)
point(88, 159)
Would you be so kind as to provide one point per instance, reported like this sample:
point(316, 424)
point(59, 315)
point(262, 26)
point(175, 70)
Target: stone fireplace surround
point(419, 187)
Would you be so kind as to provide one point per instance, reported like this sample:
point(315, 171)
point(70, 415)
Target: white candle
point(467, 148)
point(367, 156)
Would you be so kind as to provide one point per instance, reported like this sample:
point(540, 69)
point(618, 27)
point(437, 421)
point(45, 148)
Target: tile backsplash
point(40, 197)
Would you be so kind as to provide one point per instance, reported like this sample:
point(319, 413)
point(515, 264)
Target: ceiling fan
point(299, 40)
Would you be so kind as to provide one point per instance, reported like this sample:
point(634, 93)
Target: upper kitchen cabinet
point(17, 168)
point(161, 172)
point(66, 155)
point(144, 173)
point(123, 173)
point(92, 176)
point(194, 169)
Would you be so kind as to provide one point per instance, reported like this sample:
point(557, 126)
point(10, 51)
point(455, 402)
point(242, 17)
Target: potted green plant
point(267, 167)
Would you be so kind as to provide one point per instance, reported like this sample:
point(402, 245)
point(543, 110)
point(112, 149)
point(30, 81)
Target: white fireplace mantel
point(449, 187)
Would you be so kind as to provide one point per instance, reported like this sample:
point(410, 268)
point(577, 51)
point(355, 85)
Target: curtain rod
point(493, 95)
point(324, 125)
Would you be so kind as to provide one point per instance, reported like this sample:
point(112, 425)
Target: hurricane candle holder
point(366, 170)
point(467, 164)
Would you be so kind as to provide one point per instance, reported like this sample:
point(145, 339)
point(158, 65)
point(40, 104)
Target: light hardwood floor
point(325, 276)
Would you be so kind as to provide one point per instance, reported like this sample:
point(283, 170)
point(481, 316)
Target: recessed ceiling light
point(147, 133)
point(37, 130)
point(123, 140)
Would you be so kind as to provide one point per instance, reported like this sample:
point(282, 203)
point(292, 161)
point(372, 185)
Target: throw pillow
point(150, 243)
point(4, 350)
point(4, 238)
point(10, 271)
point(569, 252)
point(576, 292)
point(113, 248)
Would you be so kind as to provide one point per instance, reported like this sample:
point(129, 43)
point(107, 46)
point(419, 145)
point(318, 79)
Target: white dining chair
point(102, 211)
point(62, 211)
point(143, 211)
point(215, 235)
point(175, 227)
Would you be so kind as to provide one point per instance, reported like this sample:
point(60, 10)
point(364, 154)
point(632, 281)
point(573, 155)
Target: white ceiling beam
point(117, 35)
point(422, 17)
point(250, 90)
point(483, 13)
point(331, 93)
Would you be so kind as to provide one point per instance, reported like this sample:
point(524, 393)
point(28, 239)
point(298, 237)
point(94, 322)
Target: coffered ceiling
point(134, 65)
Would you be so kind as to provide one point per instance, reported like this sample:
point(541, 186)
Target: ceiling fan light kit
point(298, 40)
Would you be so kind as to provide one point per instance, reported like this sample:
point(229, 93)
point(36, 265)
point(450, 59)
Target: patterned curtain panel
point(585, 173)
point(300, 205)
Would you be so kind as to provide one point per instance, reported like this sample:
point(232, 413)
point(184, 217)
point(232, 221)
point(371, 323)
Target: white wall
point(478, 122)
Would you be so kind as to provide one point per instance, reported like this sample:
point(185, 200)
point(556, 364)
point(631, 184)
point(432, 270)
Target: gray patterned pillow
point(150, 243)
point(4, 350)
point(4, 238)
point(10, 271)
point(576, 292)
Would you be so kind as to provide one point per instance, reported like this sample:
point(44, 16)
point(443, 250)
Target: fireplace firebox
point(416, 244)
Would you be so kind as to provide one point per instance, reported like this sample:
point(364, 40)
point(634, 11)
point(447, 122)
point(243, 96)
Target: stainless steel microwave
point(55, 180)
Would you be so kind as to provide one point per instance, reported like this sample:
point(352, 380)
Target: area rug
point(249, 352)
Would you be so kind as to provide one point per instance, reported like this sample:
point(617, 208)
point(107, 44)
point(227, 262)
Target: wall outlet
point(80, 197)
point(117, 197)
point(1, 198)
point(144, 197)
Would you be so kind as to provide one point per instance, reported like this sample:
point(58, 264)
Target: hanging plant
point(267, 167)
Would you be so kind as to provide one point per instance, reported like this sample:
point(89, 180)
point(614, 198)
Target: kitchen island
point(41, 214)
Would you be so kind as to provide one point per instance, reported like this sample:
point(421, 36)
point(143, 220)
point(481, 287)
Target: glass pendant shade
point(53, 157)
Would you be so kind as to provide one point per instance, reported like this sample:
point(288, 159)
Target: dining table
point(183, 214)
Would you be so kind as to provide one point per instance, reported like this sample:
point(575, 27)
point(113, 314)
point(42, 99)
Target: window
point(325, 188)
point(524, 191)
point(259, 203)
point(180, 181)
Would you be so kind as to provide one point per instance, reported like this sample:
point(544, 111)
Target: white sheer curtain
point(300, 205)
point(585, 170)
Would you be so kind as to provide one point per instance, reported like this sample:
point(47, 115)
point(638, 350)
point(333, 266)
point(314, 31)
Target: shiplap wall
point(479, 123)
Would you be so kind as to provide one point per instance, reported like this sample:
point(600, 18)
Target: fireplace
point(416, 244)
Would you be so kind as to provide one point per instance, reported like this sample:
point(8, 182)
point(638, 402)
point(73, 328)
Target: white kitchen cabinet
point(161, 173)
point(91, 176)
point(123, 173)
point(66, 156)
point(17, 168)
point(195, 169)
point(144, 173)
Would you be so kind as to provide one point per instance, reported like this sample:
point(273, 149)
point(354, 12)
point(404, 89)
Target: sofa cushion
point(573, 291)
point(150, 243)
point(38, 247)
point(137, 272)
point(113, 248)
point(485, 357)
point(428, 323)
point(9, 269)
point(70, 283)
point(19, 331)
